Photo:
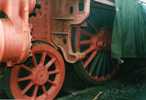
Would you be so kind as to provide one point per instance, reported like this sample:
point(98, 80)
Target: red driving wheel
point(94, 51)
point(39, 78)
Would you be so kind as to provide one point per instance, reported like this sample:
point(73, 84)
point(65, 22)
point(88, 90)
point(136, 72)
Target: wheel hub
point(40, 75)
point(97, 43)
point(94, 52)
point(35, 81)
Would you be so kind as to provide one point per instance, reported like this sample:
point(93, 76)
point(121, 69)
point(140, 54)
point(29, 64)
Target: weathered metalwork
point(95, 55)
point(15, 39)
point(53, 24)
point(41, 75)
point(44, 73)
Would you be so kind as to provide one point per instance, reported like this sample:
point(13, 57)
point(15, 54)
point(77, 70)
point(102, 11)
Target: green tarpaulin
point(129, 32)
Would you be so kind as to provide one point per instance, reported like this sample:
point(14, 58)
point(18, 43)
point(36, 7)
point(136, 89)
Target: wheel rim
point(42, 78)
point(95, 54)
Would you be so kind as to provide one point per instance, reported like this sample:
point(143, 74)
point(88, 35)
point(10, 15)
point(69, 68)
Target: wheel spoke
point(27, 87)
point(44, 89)
point(42, 61)
point(34, 60)
point(88, 61)
point(31, 81)
point(85, 42)
point(25, 78)
point(90, 49)
point(26, 68)
point(50, 63)
point(53, 72)
point(35, 92)
point(51, 82)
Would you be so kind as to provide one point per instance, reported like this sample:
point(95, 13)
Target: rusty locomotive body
point(37, 47)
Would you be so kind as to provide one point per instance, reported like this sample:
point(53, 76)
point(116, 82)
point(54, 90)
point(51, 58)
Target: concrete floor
point(130, 84)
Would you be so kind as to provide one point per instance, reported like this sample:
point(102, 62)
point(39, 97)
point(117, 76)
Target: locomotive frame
point(41, 75)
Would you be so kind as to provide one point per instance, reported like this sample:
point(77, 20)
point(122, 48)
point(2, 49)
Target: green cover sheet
point(129, 32)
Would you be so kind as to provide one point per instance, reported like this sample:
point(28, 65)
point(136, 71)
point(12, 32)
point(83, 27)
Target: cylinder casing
point(14, 46)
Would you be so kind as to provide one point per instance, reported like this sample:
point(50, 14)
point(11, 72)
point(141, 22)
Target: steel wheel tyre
point(40, 77)
point(96, 64)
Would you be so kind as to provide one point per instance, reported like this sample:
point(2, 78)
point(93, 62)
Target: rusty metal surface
point(46, 75)
point(15, 39)
point(53, 22)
